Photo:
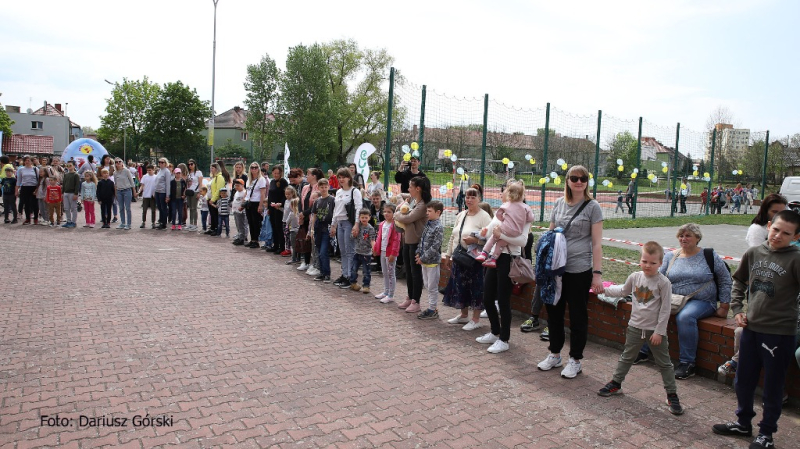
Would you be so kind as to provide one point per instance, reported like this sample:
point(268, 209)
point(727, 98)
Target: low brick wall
point(607, 326)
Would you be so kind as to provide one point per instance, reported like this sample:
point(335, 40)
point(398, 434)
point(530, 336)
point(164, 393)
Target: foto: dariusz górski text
point(84, 421)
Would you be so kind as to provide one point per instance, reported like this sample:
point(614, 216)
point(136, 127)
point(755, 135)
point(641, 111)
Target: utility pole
point(213, 80)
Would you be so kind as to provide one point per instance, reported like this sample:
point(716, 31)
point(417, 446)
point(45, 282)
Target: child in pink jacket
point(387, 246)
point(511, 217)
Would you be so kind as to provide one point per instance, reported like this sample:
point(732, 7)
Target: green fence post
point(711, 172)
point(544, 161)
point(674, 202)
point(483, 142)
point(421, 138)
point(388, 152)
point(596, 153)
point(764, 169)
point(638, 162)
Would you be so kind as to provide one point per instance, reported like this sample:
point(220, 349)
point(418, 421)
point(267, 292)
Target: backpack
point(709, 255)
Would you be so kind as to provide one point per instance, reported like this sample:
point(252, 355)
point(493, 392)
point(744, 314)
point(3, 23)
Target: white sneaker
point(387, 300)
point(44, 223)
point(380, 295)
point(498, 346)
point(303, 267)
point(488, 338)
point(472, 325)
point(484, 314)
point(313, 272)
point(552, 361)
point(459, 320)
point(572, 369)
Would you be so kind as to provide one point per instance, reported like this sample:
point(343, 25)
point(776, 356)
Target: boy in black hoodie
point(105, 195)
point(769, 275)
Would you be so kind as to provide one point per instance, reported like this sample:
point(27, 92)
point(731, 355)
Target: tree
point(622, 146)
point(5, 122)
point(88, 130)
point(175, 120)
point(308, 115)
point(232, 150)
point(355, 77)
point(261, 102)
point(721, 115)
point(126, 112)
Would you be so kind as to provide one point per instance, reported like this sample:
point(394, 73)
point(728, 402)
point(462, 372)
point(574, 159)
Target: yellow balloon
point(650, 176)
point(665, 169)
point(505, 161)
point(447, 153)
point(633, 175)
point(683, 186)
point(591, 176)
point(621, 168)
point(533, 161)
point(557, 181)
point(464, 177)
point(407, 157)
point(449, 185)
point(542, 181)
point(706, 175)
point(694, 173)
point(740, 172)
point(610, 185)
point(564, 166)
point(414, 146)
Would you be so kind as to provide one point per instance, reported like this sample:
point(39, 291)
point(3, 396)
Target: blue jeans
point(365, 261)
point(124, 201)
point(224, 221)
point(346, 246)
point(686, 321)
point(204, 218)
point(322, 240)
point(177, 211)
point(161, 203)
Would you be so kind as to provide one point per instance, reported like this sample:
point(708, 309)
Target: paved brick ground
point(117, 324)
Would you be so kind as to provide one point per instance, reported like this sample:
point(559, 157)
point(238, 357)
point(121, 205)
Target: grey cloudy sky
point(669, 62)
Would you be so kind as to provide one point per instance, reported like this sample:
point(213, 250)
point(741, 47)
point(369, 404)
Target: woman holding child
point(414, 220)
point(584, 219)
point(465, 288)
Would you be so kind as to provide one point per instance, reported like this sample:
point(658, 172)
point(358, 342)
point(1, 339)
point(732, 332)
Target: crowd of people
point(309, 217)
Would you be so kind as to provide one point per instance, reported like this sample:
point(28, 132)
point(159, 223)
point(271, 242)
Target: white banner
point(362, 154)
point(286, 162)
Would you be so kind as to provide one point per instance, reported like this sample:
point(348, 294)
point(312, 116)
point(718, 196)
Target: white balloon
point(510, 165)
point(605, 182)
point(663, 164)
point(560, 161)
point(619, 161)
point(553, 174)
point(636, 170)
point(735, 172)
point(591, 182)
point(453, 158)
point(406, 149)
point(460, 170)
point(415, 153)
point(528, 157)
point(546, 179)
point(443, 190)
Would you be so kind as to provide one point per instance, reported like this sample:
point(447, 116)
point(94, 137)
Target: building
point(731, 142)
point(44, 131)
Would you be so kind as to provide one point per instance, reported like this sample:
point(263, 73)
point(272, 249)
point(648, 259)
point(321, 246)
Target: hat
point(239, 181)
point(224, 189)
point(177, 170)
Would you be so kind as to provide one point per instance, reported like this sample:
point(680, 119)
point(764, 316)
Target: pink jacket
point(393, 248)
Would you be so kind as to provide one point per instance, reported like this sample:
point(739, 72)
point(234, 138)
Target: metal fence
point(484, 141)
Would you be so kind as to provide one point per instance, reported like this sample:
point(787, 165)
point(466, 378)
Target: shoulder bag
point(678, 301)
point(460, 255)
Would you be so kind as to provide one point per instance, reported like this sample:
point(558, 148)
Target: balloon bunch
point(530, 159)
point(508, 163)
point(664, 167)
point(409, 152)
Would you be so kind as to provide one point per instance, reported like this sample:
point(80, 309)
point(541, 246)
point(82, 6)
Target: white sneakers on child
point(552, 361)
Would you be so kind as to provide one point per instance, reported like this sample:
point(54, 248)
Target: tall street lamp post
point(213, 75)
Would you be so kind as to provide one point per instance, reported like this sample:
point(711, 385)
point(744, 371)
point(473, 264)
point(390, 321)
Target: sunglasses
point(583, 179)
point(162, 162)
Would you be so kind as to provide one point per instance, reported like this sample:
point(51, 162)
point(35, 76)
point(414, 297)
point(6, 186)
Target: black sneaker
point(530, 325)
point(733, 428)
point(762, 441)
point(327, 279)
point(641, 358)
point(320, 278)
point(610, 389)
point(344, 284)
point(674, 404)
point(339, 281)
point(545, 335)
point(684, 371)
point(428, 314)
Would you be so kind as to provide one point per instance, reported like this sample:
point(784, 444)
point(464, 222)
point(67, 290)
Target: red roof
point(27, 144)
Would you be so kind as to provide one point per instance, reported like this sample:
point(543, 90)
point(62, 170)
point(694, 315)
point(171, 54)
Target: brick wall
point(607, 325)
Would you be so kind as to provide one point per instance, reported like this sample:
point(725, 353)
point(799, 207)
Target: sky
point(667, 62)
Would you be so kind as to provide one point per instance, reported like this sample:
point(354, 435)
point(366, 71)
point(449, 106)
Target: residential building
point(44, 131)
point(730, 142)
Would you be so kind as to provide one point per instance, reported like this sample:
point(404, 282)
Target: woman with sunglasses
point(582, 270)
point(256, 199)
point(194, 180)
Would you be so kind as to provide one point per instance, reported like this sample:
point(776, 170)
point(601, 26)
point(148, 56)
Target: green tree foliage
point(175, 120)
point(622, 146)
point(308, 113)
point(231, 150)
point(5, 122)
point(355, 77)
point(262, 84)
point(126, 112)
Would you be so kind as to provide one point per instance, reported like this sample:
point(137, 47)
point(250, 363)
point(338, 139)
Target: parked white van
point(791, 190)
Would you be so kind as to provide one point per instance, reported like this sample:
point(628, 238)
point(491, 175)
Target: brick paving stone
point(247, 352)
